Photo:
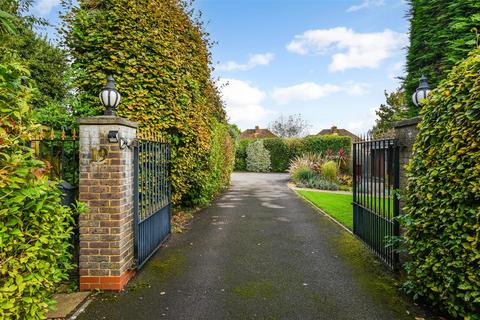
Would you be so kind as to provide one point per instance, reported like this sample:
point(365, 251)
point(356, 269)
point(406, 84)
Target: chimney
point(334, 130)
point(257, 128)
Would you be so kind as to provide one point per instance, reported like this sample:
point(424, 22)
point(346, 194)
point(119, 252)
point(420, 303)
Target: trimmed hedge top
point(443, 196)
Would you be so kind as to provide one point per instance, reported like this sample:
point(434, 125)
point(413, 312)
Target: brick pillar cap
point(407, 123)
point(107, 120)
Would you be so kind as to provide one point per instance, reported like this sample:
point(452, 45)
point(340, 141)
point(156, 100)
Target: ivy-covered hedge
point(35, 228)
point(159, 57)
point(282, 151)
point(442, 32)
point(443, 196)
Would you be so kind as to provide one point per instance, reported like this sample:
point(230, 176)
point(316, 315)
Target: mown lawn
point(339, 206)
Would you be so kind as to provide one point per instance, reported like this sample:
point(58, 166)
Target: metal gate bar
point(376, 176)
point(152, 198)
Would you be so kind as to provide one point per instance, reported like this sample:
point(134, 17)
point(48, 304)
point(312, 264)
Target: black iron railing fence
point(375, 201)
point(59, 152)
point(60, 155)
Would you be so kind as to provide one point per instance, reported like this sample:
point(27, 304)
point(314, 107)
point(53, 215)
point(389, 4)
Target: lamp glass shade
point(110, 98)
point(420, 96)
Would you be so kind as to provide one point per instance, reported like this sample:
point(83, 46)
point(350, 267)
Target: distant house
point(338, 132)
point(257, 133)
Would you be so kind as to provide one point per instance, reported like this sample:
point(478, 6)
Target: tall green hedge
point(159, 56)
point(241, 155)
point(35, 229)
point(442, 32)
point(443, 196)
point(279, 154)
point(282, 151)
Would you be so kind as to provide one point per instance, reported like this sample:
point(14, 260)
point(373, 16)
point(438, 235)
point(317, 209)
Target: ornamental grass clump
point(35, 229)
point(442, 213)
point(306, 171)
point(329, 171)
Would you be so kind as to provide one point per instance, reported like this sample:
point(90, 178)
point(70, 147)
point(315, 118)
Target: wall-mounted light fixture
point(114, 137)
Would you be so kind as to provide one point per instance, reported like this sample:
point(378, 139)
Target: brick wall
point(106, 187)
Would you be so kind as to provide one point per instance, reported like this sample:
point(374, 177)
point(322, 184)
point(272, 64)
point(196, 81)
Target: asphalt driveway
point(259, 252)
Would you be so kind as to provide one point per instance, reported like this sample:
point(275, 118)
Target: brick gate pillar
point(106, 187)
point(406, 132)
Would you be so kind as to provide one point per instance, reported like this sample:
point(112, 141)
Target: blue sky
point(330, 61)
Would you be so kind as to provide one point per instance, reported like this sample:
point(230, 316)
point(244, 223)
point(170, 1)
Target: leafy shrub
point(241, 155)
point(220, 163)
point(34, 227)
point(345, 179)
point(162, 69)
point(279, 154)
point(302, 173)
point(317, 182)
point(442, 213)
point(258, 158)
point(329, 171)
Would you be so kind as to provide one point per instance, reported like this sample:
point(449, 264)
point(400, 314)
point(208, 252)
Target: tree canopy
point(293, 126)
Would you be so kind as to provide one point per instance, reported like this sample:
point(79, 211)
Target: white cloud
point(309, 91)
point(352, 49)
point(243, 102)
point(366, 4)
point(306, 91)
point(261, 59)
point(365, 123)
point(395, 70)
point(44, 7)
point(356, 89)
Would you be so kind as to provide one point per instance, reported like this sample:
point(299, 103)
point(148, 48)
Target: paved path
point(259, 252)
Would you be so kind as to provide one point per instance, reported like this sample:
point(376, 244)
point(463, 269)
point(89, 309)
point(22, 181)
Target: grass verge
point(338, 206)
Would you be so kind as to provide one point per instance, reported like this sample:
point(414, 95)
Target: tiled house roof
point(337, 132)
point(257, 133)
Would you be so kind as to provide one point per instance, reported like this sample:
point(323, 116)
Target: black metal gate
point(152, 198)
point(375, 201)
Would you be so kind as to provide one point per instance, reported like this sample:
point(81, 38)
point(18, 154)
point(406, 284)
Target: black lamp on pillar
point(110, 97)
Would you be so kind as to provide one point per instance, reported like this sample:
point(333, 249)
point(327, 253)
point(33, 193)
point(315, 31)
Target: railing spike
point(63, 135)
point(52, 134)
point(74, 134)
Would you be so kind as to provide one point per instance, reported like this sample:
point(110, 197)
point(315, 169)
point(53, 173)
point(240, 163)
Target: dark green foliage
point(441, 34)
point(442, 218)
point(283, 151)
point(46, 62)
point(320, 144)
point(241, 155)
point(279, 154)
point(35, 229)
point(159, 56)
